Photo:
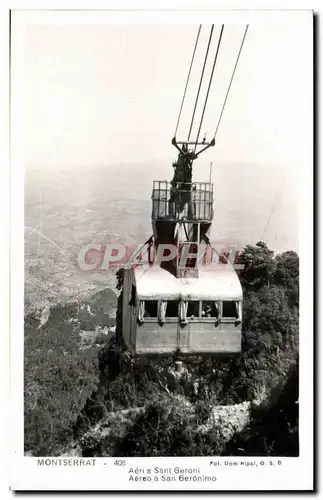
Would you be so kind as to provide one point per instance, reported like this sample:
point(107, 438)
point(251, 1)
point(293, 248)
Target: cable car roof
point(217, 282)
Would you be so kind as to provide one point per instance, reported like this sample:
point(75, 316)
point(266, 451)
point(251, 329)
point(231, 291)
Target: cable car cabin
point(165, 314)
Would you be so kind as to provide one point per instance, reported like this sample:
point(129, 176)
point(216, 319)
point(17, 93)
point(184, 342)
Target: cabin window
point(210, 309)
point(151, 308)
point(193, 309)
point(167, 309)
point(229, 309)
point(172, 309)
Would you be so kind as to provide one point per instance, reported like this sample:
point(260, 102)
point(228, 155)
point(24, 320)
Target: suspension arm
point(212, 143)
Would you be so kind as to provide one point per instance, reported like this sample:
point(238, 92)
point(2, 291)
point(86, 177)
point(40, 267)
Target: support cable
point(208, 90)
point(187, 80)
point(201, 79)
point(232, 76)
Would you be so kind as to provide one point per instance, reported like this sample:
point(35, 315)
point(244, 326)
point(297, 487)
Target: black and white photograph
point(163, 164)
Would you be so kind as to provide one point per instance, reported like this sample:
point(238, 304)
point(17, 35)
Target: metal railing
point(189, 201)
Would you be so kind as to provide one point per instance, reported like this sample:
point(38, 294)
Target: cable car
point(165, 314)
point(195, 308)
point(184, 304)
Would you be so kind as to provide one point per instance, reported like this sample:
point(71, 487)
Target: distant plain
point(77, 206)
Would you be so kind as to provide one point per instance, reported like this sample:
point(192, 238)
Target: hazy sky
point(100, 94)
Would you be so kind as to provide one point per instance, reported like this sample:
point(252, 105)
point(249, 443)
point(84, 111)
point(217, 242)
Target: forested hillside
point(84, 397)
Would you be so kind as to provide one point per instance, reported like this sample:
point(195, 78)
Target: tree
point(259, 266)
point(287, 275)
